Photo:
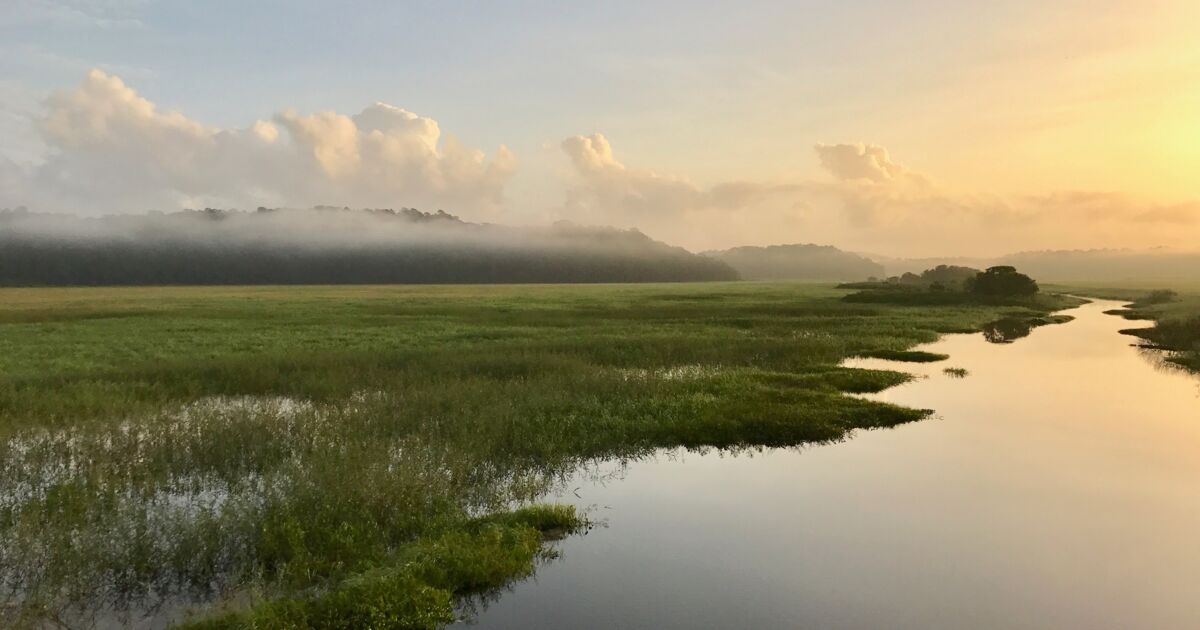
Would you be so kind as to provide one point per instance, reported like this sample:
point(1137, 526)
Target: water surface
point(1057, 486)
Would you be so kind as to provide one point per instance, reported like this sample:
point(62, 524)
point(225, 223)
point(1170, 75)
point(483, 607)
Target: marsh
point(1046, 492)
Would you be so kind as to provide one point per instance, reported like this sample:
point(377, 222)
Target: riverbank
point(1174, 309)
point(1041, 495)
point(270, 448)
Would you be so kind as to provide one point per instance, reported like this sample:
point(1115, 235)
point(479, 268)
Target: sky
point(923, 128)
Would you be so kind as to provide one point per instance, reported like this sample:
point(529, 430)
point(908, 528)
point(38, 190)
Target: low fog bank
point(1107, 264)
point(798, 262)
point(327, 245)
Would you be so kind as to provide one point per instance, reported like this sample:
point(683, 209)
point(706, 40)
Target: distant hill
point(327, 245)
point(798, 262)
point(1107, 264)
point(900, 266)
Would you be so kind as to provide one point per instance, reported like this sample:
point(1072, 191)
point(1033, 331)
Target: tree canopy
point(1002, 281)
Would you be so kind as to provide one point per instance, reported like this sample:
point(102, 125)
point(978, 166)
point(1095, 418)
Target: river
point(1057, 486)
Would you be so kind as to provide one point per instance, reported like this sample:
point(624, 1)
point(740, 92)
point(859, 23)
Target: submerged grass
point(353, 456)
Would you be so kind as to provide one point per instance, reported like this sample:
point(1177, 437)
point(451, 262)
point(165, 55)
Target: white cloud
point(870, 203)
point(606, 188)
point(863, 162)
point(667, 207)
point(110, 149)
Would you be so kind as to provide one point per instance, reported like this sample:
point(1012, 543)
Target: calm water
point(1057, 487)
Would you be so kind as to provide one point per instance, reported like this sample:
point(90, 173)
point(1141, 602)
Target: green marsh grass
point(910, 356)
point(353, 456)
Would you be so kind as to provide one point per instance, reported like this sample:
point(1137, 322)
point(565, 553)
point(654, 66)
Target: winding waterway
point(1058, 486)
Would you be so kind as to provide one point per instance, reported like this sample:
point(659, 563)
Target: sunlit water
point(1058, 486)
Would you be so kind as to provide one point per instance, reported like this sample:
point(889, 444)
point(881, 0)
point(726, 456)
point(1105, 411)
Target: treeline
point(327, 246)
point(947, 284)
point(822, 263)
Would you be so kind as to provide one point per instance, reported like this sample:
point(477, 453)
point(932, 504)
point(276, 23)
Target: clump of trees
point(939, 278)
point(1002, 281)
point(949, 276)
point(947, 284)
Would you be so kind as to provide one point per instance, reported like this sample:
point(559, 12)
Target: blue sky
point(520, 73)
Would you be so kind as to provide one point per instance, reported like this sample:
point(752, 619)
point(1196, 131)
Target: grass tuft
point(909, 356)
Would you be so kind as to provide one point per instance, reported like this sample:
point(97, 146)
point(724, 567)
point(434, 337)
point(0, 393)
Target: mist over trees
point(1107, 264)
point(326, 245)
point(797, 262)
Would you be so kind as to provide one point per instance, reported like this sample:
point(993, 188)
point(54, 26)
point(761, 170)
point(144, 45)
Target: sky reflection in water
point(1057, 486)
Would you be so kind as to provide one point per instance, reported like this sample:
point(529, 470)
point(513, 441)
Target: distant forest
point(327, 245)
point(798, 262)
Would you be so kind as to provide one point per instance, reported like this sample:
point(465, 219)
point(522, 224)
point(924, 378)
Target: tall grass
point(351, 456)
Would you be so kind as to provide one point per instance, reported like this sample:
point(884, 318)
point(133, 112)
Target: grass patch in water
point(417, 586)
point(910, 356)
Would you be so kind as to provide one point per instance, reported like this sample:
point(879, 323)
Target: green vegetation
point(949, 276)
point(939, 278)
point(912, 356)
point(945, 285)
point(1001, 281)
point(955, 372)
point(415, 587)
point(353, 456)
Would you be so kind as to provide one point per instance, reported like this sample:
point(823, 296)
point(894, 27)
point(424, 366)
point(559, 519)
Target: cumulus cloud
point(863, 162)
point(868, 202)
point(111, 149)
point(666, 206)
point(607, 186)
